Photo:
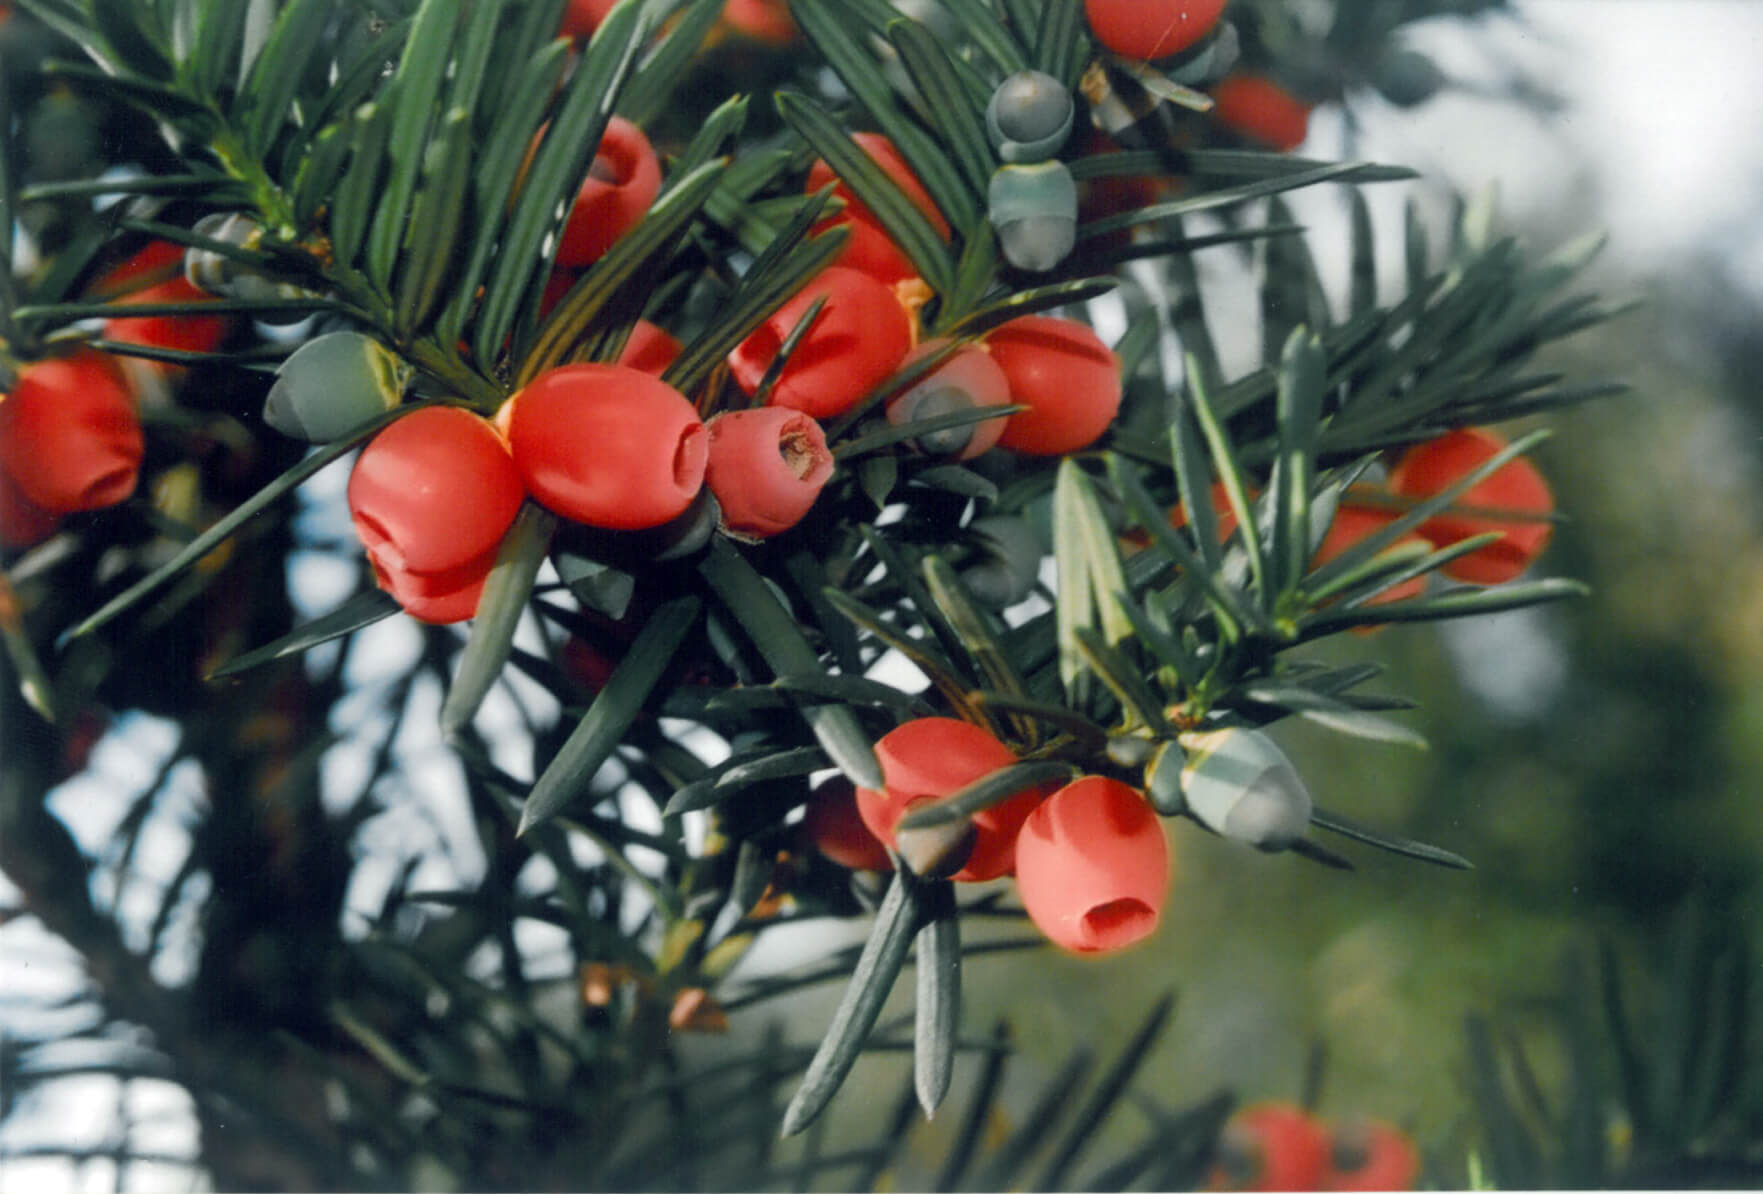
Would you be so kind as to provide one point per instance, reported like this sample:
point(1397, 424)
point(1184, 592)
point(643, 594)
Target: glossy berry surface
point(1065, 375)
point(1513, 501)
point(766, 466)
point(1092, 866)
point(69, 436)
point(870, 249)
point(833, 825)
point(933, 757)
point(431, 497)
point(606, 445)
point(860, 336)
point(649, 348)
point(1148, 29)
point(623, 180)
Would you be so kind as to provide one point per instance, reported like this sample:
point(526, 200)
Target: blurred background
point(1594, 759)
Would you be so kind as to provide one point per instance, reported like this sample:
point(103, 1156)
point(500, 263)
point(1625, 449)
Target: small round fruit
point(767, 465)
point(860, 336)
point(1261, 110)
point(1065, 375)
point(1092, 866)
point(69, 436)
point(1271, 1146)
point(333, 384)
point(967, 379)
point(869, 248)
point(1034, 210)
point(1029, 116)
point(1148, 29)
point(606, 445)
point(835, 827)
point(932, 757)
point(1240, 785)
point(1514, 501)
point(1369, 1154)
point(622, 183)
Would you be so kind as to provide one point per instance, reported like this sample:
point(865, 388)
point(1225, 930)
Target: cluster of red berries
point(70, 431)
point(614, 446)
point(1281, 1146)
point(1091, 862)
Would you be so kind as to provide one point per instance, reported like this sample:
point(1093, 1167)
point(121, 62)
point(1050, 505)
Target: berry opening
point(1117, 923)
point(689, 457)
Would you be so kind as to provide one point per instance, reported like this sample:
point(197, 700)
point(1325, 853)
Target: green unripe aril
point(1237, 783)
point(331, 385)
point(1034, 209)
point(1029, 117)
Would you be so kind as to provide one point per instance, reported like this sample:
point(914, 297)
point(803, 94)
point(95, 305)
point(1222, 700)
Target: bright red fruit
point(762, 20)
point(188, 333)
point(836, 828)
point(621, 185)
point(1271, 1146)
point(606, 445)
point(861, 336)
point(1149, 29)
point(968, 377)
point(870, 249)
point(1092, 866)
point(932, 757)
point(1261, 110)
point(649, 348)
point(69, 436)
point(766, 466)
point(1354, 523)
point(1065, 375)
point(1514, 500)
point(1369, 1154)
point(582, 17)
point(431, 497)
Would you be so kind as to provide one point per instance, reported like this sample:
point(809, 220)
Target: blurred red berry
point(1369, 1154)
point(69, 436)
point(606, 445)
point(23, 523)
point(1069, 380)
point(1261, 110)
point(762, 20)
point(933, 757)
point(838, 831)
point(766, 467)
point(1514, 501)
point(870, 249)
point(1092, 866)
point(431, 497)
point(1148, 29)
point(860, 336)
point(649, 348)
point(161, 260)
point(622, 182)
point(582, 17)
point(1351, 525)
point(1271, 1146)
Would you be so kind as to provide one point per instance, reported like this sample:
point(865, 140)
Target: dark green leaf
point(281, 64)
point(437, 219)
point(948, 101)
point(1298, 414)
point(1106, 1096)
point(877, 968)
point(126, 25)
point(726, 782)
point(363, 609)
point(601, 729)
point(506, 593)
point(1029, 302)
point(938, 963)
point(1335, 823)
point(415, 92)
point(993, 788)
point(658, 79)
point(989, 34)
point(1060, 42)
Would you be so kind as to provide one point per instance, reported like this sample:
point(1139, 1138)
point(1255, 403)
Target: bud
point(1029, 117)
point(1034, 209)
point(227, 277)
point(1237, 783)
point(332, 384)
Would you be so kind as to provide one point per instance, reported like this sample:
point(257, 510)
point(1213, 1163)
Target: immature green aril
point(227, 277)
point(1034, 210)
point(1029, 117)
point(331, 385)
point(1008, 564)
point(1164, 777)
point(1237, 783)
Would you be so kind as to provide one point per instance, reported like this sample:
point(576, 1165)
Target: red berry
point(1369, 1154)
point(1261, 110)
point(606, 445)
point(649, 348)
point(621, 185)
point(762, 20)
point(932, 757)
point(1065, 375)
point(967, 378)
point(870, 249)
point(766, 466)
point(1271, 1146)
point(582, 17)
point(1354, 523)
point(1514, 501)
point(1092, 866)
point(188, 333)
point(1148, 29)
point(837, 830)
point(69, 436)
point(861, 335)
point(431, 497)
